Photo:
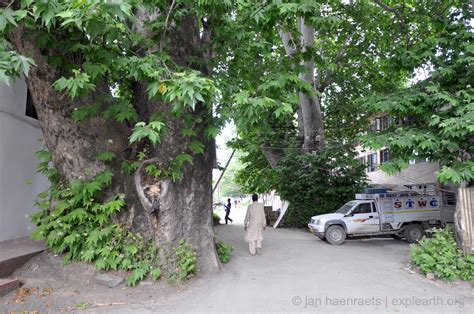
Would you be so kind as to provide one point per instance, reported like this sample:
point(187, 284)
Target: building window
point(30, 110)
point(384, 156)
point(380, 124)
point(372, 162)
point(384, 123)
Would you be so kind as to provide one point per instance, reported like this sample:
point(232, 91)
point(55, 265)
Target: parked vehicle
point(399, 214)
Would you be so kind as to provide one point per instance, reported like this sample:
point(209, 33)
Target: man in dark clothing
point(227, 211)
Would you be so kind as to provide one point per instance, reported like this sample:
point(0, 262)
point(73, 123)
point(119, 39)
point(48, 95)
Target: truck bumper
point(317, 230)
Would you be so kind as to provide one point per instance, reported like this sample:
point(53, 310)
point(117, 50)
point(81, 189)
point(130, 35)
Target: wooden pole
point(223, 171)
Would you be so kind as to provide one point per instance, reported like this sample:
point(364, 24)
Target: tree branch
point(390, 9)
point(339, 55)
point(286, 38)
point(165, 28)
point(399, 17)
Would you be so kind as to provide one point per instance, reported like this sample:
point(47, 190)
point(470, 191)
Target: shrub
point(441, 256)
point(183, 262)
point(318, 183)
point(224, 251)
point(215, 219)
point(75, 220)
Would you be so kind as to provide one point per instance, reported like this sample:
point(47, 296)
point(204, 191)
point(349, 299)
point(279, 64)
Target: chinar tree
point(124, 99)
point(295, 100)
point(433, 113)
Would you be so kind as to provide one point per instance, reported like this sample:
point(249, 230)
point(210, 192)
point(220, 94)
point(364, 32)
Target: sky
point(224, 152)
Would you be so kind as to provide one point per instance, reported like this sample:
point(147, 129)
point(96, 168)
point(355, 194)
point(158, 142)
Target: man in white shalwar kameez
point(254, 225)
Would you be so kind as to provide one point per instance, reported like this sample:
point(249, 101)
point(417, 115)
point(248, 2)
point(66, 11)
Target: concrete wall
point(20, 138)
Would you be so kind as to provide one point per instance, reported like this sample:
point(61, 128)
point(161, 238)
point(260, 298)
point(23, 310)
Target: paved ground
point(296, 272)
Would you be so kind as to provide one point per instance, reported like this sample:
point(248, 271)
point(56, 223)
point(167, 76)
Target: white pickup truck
point(399, 214)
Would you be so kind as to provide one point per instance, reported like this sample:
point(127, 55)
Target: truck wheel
point(335, 235)
point(414, 233)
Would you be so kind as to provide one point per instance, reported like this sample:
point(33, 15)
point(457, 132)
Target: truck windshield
point(346, 207)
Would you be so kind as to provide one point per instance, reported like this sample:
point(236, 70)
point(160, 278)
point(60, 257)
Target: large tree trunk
point(310, 119)
point(183, 209)
point(73, 146)
point(309, 104)
point(178, 210)
point(185, 212)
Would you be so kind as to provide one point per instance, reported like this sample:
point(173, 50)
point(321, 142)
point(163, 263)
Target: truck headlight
point(317, 222)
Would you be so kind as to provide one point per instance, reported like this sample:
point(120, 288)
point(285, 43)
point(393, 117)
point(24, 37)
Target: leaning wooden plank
point(284, 208)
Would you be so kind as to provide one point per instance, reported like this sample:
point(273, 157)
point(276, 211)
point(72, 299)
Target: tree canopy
point(432, 117)
point(366, 56)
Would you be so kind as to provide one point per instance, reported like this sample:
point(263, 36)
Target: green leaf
point(94, 237)
point(114, 206)
point(121, 111)
point(197, 147)
point(153, 170)
point(7, 16)
point(137, 275)
point(182, 158)
point(212, 132)
point(101, 219)
point(70, 239)
point(153, 89)
point(88, 256)
point(126, 264)
point(155, 274)
point(105, 156)
point(131, 249)
point(76, 85)
point(22, 64)
point(151, 131)
point(129, 166)
point(101, 264)
point(78, 214)
point(105, 178)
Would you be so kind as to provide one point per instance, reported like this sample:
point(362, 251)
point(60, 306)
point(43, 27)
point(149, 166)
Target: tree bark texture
point(310, 107)
point(175, 210)
point(464, 219)
point(310, 119)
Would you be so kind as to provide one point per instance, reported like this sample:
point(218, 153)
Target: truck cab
point(358, 217)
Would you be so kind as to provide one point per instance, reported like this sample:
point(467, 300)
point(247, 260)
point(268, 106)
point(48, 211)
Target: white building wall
point(20, 138)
